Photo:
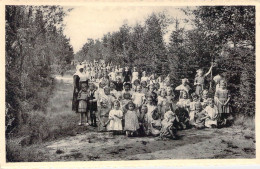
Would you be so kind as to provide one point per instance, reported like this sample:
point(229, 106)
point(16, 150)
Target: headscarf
point(82, 75)
point(217, 78)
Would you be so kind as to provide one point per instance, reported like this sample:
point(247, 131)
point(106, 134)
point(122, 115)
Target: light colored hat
point(106, 87)
point(199, 71)
point(185, 80)
point(217, 78)
point(205, 91)
point(210, 100)
point(103, 100)
point(169, 114)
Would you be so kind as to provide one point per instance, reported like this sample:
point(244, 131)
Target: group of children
point(125, 103)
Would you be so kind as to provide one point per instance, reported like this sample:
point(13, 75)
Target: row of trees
point(223, 34)
point(35, 49)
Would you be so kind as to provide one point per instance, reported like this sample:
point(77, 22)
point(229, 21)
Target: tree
point(31, 51)
point(230, 34)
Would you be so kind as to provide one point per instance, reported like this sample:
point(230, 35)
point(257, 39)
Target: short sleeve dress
point(223, 95)
point(200, 86)
point(135, 76)
point(131, 121)
point(212, 113)
point(115, 124)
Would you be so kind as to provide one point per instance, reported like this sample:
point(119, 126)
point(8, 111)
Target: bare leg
point(80, 119)
point(86, 118)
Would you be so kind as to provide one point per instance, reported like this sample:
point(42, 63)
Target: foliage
point(132, 45)
point(230, 33)
point(221, 34)
point(34, 45)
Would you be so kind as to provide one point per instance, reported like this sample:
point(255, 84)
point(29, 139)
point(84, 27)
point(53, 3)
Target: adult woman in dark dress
point(127, 75)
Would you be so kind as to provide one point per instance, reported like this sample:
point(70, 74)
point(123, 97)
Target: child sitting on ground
point(194, 108)
point(115, 119)
point(103, 113)
point(142, 120)
point(204, 98)
point(131, 120)
point(155, 125)
point(211, 112)
point(182, 111)
point(169, 125)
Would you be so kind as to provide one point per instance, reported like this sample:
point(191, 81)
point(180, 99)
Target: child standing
point(82, 105)
point(113, 90)
point(135, 75)
point(184, 87)
point(199, 81)
point(162, 103)
point(131, 120)
point(115, 118)
point(135, 84)
point(119, 84)
point(222, 97)
point(144, 87)
point(110, 99)
point(126, 95)
point(92, 104)
point(138, 96)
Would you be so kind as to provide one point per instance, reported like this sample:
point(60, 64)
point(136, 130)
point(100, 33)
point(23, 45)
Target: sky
point(93, 22)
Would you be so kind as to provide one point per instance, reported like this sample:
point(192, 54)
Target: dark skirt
point(92, 106)
point(75, 102)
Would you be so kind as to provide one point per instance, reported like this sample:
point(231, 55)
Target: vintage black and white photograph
point(119, 83)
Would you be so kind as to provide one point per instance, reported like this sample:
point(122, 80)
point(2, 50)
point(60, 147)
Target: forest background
point(37, 50)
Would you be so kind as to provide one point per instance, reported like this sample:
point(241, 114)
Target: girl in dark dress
point(127, 75)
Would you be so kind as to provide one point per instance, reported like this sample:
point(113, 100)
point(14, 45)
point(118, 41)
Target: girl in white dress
point(144, 77)
point(184, 87)
point(135, 75)
point(112, 75)
point(138, 97)
point(115, 118)
point(211, 112)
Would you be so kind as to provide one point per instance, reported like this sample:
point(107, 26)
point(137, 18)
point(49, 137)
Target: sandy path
point(193, 144)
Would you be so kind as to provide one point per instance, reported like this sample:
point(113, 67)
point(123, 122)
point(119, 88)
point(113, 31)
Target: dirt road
point(193, 144)
point(90, 145)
